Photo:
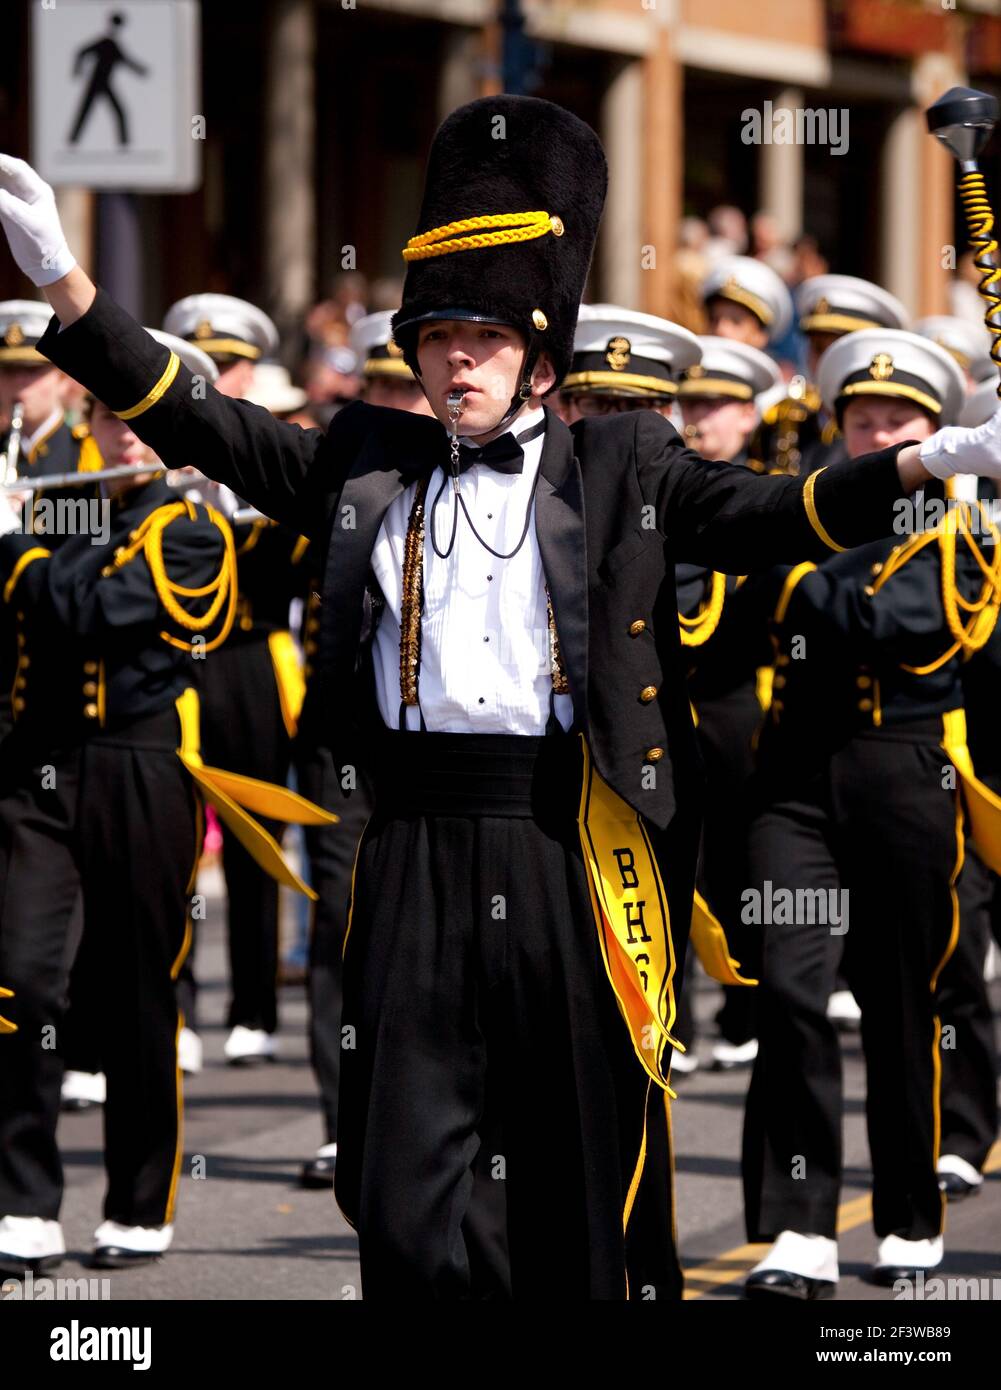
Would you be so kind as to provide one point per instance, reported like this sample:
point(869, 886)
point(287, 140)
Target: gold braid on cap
point(474, 233)
point(412, 602)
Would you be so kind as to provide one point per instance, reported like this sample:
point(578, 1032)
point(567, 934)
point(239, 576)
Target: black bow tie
point(503, 454)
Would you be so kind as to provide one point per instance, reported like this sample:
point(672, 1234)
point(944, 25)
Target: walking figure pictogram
point(106, 55)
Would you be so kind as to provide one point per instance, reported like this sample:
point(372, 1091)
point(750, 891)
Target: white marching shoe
point(843, 1011)
point(957, 1178)
point(122, 1247)
point(250, 1045)
point(898, 1258)
point(30, 1243)
point(797, 1266)
point(728, 1056)
point(684, 1063)
point(82, 1090)
point(189, 1052)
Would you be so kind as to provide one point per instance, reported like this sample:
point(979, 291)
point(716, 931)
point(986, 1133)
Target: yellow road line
point(734, 1264)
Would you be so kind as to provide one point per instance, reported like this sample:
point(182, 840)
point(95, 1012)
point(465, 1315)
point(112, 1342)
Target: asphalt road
point(246, 1231)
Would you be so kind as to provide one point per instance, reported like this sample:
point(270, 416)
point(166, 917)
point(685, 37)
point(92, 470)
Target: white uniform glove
point(956, 449)
point(31, 221)
point(11, 505)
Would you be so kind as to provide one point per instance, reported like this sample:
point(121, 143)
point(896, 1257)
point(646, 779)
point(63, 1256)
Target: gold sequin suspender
point(410, 610)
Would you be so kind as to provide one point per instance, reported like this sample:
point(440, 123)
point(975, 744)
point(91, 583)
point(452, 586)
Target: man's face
point(584, 405)
point(724, 425)
point(869, 424)
point(36, 386)
point(398, 393)
point(484, 358)
point(118, 445)
point(236, 379)
point(730, 320)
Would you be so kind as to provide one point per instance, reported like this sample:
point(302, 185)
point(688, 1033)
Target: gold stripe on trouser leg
point(174, 972)
point(950, 947)
point(179, 1147)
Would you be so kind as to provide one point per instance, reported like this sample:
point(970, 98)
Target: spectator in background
point(385, 293)
point(329, 321)
point(768, 244)
point(727, 233)
point(690, 269)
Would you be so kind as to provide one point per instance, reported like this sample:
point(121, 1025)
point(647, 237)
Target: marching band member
point(517, 827)
point(94, 801)
point(856, 813)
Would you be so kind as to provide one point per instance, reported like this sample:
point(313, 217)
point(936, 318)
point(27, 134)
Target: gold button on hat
point(648, 693)
point(637, 627)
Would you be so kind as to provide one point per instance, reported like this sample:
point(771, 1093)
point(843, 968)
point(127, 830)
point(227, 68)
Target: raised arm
point(181, 417)
point(733, 520)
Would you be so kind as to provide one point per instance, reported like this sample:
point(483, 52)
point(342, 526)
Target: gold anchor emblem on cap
point(617, 352)
point(203, 329)
point(694, 371)
point(394, 349)
point(822, 305)
point(881, 367)
point(14, 335)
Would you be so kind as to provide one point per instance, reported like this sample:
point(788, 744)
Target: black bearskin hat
point(526, 181)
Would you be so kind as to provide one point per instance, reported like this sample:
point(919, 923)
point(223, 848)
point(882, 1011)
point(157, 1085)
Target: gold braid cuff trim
point(151, 397)
point(811, 512)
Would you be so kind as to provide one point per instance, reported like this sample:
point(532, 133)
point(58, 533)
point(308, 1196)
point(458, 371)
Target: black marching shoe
point(798, 1266)
point(126, 1247)
point(783, 1283)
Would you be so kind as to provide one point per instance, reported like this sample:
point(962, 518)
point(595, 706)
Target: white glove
point(10, 512)
point(956, 449)
point(31, 221)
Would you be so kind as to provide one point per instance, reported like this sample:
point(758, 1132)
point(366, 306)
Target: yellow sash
point(288, 677)
point(5, 1024)
point(234, 795)
point(631, 914)
point(983, 806)
point(709, 940)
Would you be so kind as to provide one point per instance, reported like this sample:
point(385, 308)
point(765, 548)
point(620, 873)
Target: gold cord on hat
point(469, 234)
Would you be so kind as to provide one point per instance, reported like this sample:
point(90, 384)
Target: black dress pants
point(117, 820)
point(483, 1045)
point(879, 828)
point(969, 1047)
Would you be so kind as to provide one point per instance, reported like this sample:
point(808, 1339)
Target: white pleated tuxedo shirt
point(485, 662)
